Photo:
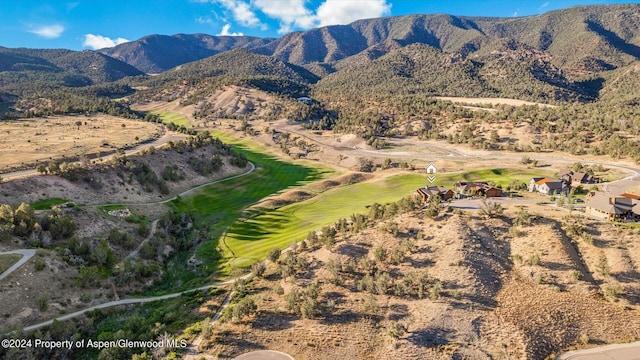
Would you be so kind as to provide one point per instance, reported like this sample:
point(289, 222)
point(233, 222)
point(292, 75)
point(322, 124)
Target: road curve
point(252, 168)
point(26, 255)
point(264, 355)
point(129, 301)
point(630, 351)
point(155, 143)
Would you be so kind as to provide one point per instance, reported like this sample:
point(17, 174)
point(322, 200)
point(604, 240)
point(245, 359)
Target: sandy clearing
point(487, 101)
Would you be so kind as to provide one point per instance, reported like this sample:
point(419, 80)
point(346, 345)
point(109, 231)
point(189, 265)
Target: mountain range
point(575, 54)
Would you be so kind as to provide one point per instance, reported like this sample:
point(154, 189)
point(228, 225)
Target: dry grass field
point(488, 101)
point(28, 141)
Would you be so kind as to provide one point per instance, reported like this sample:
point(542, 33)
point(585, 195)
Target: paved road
point(129, 301)
point(147, 299)
point(264, 355)
point(629, 351)
point(26, 255)
point(252, 168)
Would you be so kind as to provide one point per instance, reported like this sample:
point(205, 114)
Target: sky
point(94, 24)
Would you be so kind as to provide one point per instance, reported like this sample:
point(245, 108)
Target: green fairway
point(498, 176)
point(174, 118)
point(250, 240)
point(220, 205)
point(46, 204)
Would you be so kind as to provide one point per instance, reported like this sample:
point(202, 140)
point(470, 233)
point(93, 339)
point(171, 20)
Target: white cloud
point(241, 12)
point(294, 14)
point(225, 31)
point(334, 12)
point(544, 5)
point(290, 13)
point(72, 5)
point(47, 31)
point(100, 42)
point(204, 20)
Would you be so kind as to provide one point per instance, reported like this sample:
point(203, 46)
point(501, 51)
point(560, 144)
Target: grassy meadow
point(7, 260)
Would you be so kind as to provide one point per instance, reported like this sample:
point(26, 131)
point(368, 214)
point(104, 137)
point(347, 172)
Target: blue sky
point(92, 24)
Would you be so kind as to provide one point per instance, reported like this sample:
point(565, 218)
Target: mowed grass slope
point(47, 204)
point(174, 118)
point(501, 177)
point(251, 239)
point(220, 205)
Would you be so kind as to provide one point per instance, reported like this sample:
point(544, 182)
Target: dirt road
point(161, 141)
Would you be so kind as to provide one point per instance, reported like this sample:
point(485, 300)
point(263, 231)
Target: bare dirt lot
point(30, 140)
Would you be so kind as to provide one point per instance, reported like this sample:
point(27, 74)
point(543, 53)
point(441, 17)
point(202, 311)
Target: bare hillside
point(462, 286)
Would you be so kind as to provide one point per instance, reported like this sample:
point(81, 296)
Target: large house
point(476, 188)
point(575, 178)
point(548, 186)
point(610, 207)
point(426, 193)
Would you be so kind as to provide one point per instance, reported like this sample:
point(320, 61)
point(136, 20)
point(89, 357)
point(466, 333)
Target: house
point(575, 178)
point(548, 186)
point(630, 196)
point(476, 188)
point(608, 206)
point(426, 193)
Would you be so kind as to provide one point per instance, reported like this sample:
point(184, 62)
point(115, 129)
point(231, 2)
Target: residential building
point(610, 207)
point(575, 178)
point(548, 186)
point(476, 188)
point(426, 193)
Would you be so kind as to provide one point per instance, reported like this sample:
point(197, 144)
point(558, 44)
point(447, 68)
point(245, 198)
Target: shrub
point(534, 259)
point(491, 209)
point(39, 265)
point(380, 254)
point(43, 302)
point(274, 254)
point(258, 269)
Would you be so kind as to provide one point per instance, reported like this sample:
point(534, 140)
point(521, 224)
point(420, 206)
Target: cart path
point(26, 255)
point(252, 168)
point(131, 301)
